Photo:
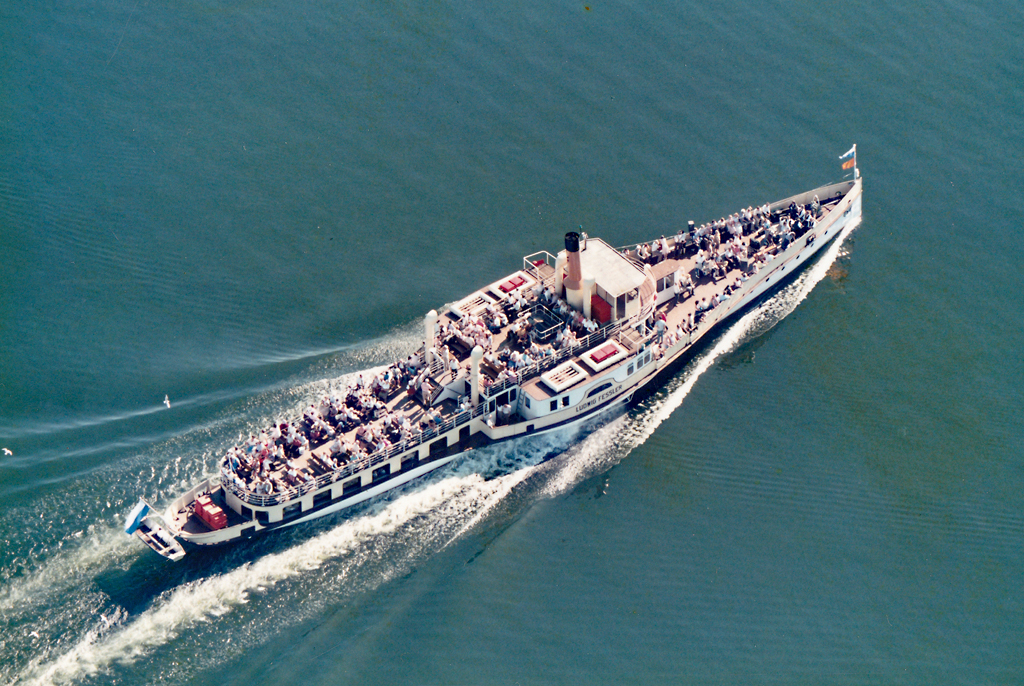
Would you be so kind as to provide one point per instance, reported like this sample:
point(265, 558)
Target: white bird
point(7, 451)
point(167, 402)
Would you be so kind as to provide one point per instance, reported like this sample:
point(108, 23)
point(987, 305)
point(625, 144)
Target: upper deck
point(533, 340)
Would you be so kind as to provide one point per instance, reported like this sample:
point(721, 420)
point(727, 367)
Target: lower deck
point(328, 479)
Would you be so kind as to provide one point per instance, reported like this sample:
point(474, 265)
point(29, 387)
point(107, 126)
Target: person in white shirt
point(659, 327)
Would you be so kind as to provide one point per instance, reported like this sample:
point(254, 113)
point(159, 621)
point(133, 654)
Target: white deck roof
point(611, 270)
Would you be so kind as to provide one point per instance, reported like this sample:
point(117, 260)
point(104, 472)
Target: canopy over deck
point(612, 271)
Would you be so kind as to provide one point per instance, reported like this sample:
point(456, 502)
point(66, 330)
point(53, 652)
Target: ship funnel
point(572, 242)
point(572, 250)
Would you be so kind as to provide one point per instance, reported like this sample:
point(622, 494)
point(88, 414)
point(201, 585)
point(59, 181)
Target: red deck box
point(211, 514)
point(600, 310)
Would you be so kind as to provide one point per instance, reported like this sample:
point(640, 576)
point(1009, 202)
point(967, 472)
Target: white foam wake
point(89, 552)
point(448, 501)
point(454, 502)
point(199, 601)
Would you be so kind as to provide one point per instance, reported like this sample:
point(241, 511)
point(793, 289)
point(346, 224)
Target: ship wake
point(251, 595)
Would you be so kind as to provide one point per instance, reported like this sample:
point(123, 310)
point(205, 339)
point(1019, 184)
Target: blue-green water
point(238, 204)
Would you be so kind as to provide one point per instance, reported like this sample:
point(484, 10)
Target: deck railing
point(457, 419)
point(522, 375)
point(550, 361)
point(531, 263)
point(356, 465)
point(531, 371)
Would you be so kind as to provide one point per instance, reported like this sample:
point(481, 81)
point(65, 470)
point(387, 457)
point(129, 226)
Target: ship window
point(554, 404)
point(291, 510)
point(246, 512)
point(527, 399)
point(565, 401)
point(321, 498)
point(602, 387)
point(262, 516)
point(382, 472)
point(351, 486)
point(629, 369)
point(512, 396)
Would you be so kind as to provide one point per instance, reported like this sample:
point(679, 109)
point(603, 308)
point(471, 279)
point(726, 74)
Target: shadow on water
point(141, 583)
point(136, 586)
point(744, 352)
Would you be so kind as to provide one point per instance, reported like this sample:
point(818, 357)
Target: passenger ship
point(637, 326)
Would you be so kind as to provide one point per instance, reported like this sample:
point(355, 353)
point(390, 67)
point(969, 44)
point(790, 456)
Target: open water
point(237, 204)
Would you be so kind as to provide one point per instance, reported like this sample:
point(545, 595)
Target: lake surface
point(239, 205)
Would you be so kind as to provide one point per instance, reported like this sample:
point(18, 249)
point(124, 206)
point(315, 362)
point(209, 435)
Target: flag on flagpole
point(852, 153)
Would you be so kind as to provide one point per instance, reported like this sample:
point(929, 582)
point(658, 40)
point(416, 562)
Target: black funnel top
point(572, 242)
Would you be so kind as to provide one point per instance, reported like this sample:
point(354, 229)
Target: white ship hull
point(535, 395)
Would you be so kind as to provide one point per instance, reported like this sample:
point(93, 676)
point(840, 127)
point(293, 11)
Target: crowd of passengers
point(744, 241)
point(721, 240)
point(479, 330)
point(524, 346)
point(267, 463)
